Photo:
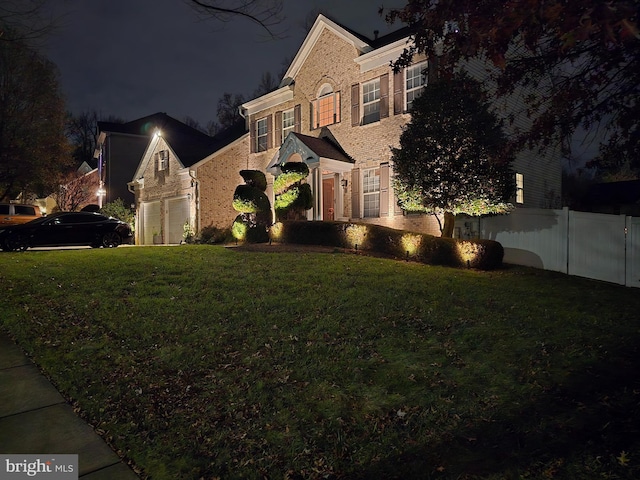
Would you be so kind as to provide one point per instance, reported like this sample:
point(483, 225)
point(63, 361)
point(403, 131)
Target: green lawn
point(205, 362)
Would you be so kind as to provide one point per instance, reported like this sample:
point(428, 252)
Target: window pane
point(371, 101)
point(261, 134)
point(416, 79)
point(288, 123)
point(519, 188)
point(371, 192)
point(328, 109)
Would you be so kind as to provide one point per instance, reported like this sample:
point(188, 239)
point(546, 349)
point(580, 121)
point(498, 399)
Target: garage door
point(178, 212)
point(150, 221)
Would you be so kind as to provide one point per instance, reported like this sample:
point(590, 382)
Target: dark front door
point(328, 199)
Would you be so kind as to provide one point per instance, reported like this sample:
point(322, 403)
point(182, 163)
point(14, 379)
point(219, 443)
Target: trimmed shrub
point(295, 167)
point(481, 254)
point(248, 199)
point(212, 235)
point(254, 178)
point(292, 195)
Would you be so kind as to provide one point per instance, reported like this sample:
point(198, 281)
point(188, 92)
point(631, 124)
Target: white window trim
point(288, 128)
point(519, 188)
point(264, 136)
point(326, 91)
point(372, 102)
point(163, 160)
point(422, 64)
point(372, 193)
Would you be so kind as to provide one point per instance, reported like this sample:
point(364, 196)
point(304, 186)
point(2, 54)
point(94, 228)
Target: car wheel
point(111, 240)
point(16, 242)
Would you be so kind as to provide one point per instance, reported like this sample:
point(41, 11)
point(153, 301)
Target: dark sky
point(132, 58)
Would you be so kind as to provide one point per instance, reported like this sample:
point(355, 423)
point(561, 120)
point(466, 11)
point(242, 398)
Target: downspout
point(195, 184)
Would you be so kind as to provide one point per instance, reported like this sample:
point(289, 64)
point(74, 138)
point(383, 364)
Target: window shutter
point(156, 164)
point(270, 131)
point(384, 95)
point(278, 131)
point(384, 189)
point(296, 118)
point(432, 69)
point(397, 211)
point(398, 92)
point(252, 136)
point(355, 193)
point(355, 105)
point(313, 112)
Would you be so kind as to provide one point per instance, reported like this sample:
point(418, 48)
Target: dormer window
point(162, 160)
point(325, 110)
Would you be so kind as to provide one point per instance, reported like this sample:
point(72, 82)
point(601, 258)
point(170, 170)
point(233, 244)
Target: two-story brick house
point(339, 108)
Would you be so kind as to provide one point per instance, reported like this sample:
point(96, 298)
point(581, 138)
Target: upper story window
point(416, 79)
point(371, 101)
point(262, 134)
point(326, 108)
point(163, 160)
point(288, 123)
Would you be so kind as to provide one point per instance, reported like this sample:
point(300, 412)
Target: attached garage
point(151, 222)
point(177, 215)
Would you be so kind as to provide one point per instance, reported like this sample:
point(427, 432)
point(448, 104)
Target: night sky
point(132, 58)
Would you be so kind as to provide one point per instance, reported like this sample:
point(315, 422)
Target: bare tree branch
point(266, 13)
point(24, 21)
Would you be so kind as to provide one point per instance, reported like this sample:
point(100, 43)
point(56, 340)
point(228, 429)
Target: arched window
point(326, 107)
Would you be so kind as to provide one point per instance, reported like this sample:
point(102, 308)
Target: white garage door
point(178, 211)
point(150, 221)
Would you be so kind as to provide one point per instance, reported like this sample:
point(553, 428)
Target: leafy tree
point(582, 57)
point(33, 146)
point(454, 156)
point(117, 209)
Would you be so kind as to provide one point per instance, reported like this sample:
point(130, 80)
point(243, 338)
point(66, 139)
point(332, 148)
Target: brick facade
point(333, 68)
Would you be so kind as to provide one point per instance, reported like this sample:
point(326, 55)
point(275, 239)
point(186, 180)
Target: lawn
point(211, 362)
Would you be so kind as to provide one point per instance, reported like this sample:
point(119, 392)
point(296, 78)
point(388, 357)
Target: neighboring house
point(80, 190)
point(339, 108)
point(121, 146)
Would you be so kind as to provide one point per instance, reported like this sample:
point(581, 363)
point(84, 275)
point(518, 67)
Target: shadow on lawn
point(578, 429)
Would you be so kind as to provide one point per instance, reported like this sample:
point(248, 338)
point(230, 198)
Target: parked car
point(18, 213)
point(66, 228)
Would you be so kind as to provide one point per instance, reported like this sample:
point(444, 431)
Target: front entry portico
point(329, 169)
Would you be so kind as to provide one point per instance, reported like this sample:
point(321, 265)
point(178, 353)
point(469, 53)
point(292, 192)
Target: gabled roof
point(321, 24)
point(190, 145)
point(324, 148)
point(314, 151)
point(391, 44)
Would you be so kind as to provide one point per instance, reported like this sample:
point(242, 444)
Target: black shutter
point(398, 92)
point(355, 104)
point(384, 95)
point(296, 118)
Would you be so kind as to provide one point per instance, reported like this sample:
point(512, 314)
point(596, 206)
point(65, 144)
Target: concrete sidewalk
point(35, 419)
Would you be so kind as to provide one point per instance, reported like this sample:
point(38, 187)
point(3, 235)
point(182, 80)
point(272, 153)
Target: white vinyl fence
point(592, 245)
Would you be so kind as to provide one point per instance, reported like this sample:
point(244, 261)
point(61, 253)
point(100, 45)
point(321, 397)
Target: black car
point(66, 228)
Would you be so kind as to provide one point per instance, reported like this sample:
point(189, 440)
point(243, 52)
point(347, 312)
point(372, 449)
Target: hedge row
point(481, 254)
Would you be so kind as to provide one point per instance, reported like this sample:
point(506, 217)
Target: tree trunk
point(449, 223)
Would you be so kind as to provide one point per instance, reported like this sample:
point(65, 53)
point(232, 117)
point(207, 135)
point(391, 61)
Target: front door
point(328, 202)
